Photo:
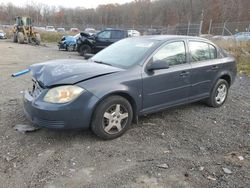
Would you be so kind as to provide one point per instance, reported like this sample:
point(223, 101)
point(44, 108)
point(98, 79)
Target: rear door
point(205, 67)
point(167, 87)
point(117, 35)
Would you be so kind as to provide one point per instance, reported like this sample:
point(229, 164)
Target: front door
point(103, 39)
point(167, 87)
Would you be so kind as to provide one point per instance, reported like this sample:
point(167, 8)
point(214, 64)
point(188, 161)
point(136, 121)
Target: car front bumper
point(72, 115)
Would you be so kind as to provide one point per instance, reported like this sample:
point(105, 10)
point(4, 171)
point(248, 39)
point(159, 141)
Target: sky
point(66, 3)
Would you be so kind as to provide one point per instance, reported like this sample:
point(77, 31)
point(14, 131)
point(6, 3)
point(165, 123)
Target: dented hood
point(68, 71)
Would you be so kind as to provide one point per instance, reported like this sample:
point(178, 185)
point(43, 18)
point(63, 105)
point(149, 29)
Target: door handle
point(214, 67)
point(184, 73)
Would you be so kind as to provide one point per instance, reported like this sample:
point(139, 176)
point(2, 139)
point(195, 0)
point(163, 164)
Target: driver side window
point(104, 35)
point(173, 53)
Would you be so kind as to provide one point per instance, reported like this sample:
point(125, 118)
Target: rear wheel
point(38, 38)
point(84, 49)
point(20, 37)
point(219, 94)
point(112, 117)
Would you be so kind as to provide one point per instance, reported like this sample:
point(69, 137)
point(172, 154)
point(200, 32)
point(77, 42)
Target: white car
point(2, 34)
point(133, 33)
point(90, 31)
point(50, 28)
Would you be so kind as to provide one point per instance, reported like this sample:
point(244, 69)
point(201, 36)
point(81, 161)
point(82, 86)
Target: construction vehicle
point(24, 32)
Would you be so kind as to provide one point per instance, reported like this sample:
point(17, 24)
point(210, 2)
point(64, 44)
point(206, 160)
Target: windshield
point(125, 53)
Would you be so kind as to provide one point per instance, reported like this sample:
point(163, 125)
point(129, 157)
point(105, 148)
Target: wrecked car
point(133, 77)
point(68, 43)
point(94, 43)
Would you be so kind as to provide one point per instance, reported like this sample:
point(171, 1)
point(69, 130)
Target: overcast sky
point(67, 3)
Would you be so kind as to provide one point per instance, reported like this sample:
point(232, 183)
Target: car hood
point(69, 71)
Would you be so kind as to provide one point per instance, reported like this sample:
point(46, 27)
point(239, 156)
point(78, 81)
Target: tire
point(112, 117)
point(219, 94)
point(84, 49)
point(70, 48)
point(20, 37)
point(38, 38)
point(15, 38)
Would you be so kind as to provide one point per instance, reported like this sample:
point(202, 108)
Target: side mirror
point(157, 65)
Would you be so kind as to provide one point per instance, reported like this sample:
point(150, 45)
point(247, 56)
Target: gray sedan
point(133, 77)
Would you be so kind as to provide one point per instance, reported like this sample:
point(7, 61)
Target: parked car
point(50, 29)
point(90, 31)
point(2, 34)
point(68, 42)
point(133, 33)
point(74, 30)
point(60, 30)
point(95, 43)
point(242, 36)
point(132, 77)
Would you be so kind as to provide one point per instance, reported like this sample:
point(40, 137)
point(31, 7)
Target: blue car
point(130, 78)
point(68, 42)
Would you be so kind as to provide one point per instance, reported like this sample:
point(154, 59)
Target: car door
point(167, 87)
point(103, 39)
point(117, 35)
point(205, 67)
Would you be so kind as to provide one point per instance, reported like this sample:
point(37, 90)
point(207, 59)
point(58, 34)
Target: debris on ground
point(201, 168)
point(241, 158)
point(165, 166)
point(211, 178)
point(227, 171)
point(25, 128)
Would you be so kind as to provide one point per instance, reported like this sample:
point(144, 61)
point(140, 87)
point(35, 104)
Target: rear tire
point(219, 94)
point(112, 117)
point(20, 37)
point(84, 49)
point(38, 38)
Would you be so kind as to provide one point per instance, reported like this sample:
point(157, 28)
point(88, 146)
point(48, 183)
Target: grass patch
point(50, 37)
point(241, 51)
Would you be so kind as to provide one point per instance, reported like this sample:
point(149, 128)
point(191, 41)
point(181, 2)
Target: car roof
point(172, 37)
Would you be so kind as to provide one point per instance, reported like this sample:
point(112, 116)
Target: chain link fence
point(229, 28)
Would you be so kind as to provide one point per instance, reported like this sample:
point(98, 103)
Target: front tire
point(112, 117)
point(84, 49)
point(219, 94)
point(15, 38)
point(20, 37)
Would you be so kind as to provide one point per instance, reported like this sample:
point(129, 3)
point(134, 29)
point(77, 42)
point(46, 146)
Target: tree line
point(138, 13)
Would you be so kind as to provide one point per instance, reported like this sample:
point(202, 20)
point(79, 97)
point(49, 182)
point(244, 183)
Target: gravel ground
point(187, 146)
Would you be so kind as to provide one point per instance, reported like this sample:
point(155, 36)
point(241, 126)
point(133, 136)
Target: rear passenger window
point(201, 51)
point(117, 34)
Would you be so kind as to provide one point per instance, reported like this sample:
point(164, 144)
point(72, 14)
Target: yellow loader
point(24, 32)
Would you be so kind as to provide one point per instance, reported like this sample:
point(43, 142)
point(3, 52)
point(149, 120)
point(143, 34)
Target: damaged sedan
point(130, 78)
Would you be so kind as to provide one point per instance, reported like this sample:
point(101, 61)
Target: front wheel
point(112, 117)
point(219, 94)
point(84, 49)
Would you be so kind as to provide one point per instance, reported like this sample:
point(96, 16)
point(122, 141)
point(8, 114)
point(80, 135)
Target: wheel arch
point(226, 77)
point(123, 94)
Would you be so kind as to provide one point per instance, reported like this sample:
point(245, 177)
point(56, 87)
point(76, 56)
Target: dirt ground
point(187, 146)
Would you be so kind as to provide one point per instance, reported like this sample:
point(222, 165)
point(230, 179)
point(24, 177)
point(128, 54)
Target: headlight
point(62, 94)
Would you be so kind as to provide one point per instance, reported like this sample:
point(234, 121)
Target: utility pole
point(201, 23)
point(210, 26)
